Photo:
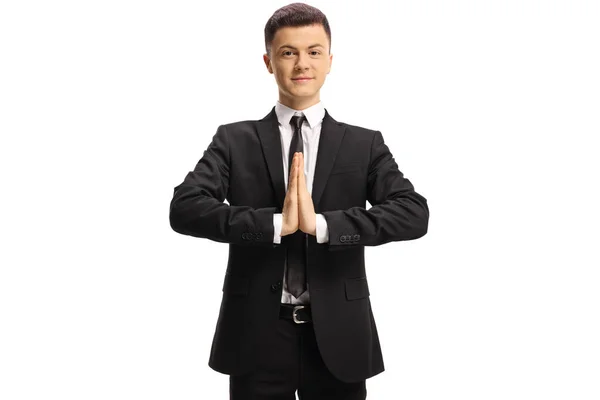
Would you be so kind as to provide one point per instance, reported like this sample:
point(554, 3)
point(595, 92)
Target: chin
point(300, 93)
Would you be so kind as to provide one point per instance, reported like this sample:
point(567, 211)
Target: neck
point(299, 103)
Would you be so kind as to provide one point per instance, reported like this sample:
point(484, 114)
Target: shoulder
point(364, 136)
point(239, 125)
point(358, 129)
point(354, 129)
point(237, 129)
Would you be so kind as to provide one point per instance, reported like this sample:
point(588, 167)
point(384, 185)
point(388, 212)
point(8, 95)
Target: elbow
point(422, 229)
point(174, 222)
point(175, 219)
point(421, 221)
point(185, 220)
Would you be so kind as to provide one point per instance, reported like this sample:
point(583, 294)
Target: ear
point(267, 61)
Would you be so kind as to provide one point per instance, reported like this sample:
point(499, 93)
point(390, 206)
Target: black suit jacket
point(244, 165)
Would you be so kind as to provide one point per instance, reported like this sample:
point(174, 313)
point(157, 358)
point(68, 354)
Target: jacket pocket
point(357, 288)
point(235, 285)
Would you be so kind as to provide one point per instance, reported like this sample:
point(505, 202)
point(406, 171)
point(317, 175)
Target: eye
point(289, 51)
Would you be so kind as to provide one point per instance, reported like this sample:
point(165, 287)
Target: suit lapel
point(270, 140)
point(332, 133)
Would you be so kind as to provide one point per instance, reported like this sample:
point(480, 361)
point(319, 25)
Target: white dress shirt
point(311, 132)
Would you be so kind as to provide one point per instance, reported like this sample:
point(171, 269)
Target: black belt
point(300, 314)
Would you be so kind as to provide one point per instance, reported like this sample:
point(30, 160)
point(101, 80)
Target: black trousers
point(293, 364)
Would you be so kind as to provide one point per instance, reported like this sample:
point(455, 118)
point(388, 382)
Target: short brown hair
point(294, 14)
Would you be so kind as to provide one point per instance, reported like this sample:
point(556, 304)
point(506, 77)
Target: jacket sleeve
point(397, 212)
point(197, 208)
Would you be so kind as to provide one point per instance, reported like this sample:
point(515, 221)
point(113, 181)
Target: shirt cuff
point(322, 229)
point(277, 223)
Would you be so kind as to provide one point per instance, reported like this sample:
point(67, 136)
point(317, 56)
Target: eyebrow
point(292, 47)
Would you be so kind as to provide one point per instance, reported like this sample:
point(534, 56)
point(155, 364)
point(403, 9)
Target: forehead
point(300, 36)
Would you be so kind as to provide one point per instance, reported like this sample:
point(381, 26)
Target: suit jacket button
point(356, 237)
point(342, 238)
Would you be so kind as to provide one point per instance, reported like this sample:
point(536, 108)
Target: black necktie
point(296, 123)
point(296, 251)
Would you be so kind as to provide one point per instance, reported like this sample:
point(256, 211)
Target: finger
point(293, 166)
point(300, 166)
point(291, 176)
point(294, 174)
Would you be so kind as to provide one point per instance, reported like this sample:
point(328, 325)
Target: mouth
point(301, 79)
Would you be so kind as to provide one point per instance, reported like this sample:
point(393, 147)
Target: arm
point(197, 207)
point(397, 212)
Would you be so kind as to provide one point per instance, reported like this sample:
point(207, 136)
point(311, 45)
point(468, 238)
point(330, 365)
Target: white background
point(491, 109)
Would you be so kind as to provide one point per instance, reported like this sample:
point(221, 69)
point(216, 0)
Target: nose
point(302, 63)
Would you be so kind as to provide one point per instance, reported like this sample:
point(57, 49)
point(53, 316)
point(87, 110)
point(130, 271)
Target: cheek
point(280, 78)
point(277, 72)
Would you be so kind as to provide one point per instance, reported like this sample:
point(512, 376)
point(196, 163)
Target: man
point(295, 313)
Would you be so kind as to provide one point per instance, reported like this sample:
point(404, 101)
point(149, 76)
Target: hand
point(307, 219)
point(289, 213)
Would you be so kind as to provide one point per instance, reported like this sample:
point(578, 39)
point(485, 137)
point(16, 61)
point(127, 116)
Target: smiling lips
point(301, 79)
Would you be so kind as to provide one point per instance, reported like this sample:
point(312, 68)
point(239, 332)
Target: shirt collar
point(314, 114)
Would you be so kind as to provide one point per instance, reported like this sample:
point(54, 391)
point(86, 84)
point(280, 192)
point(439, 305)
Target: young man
point(295, 312)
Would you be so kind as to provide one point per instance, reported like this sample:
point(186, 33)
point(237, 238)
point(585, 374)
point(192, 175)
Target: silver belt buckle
point(294, 317)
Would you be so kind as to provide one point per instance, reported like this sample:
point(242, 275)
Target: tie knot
point(297, 121)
